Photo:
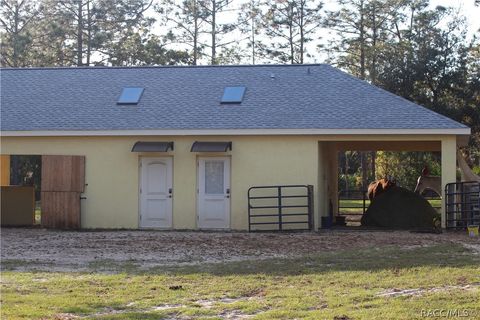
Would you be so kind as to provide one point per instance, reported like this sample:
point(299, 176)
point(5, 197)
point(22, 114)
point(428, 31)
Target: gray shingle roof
point(277, 97)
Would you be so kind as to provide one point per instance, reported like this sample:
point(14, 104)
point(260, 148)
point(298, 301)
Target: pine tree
point(289, 25)
point(17, 18)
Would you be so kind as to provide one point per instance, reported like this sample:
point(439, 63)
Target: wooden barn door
point(63, 180)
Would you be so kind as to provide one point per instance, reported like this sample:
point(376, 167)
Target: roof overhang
point(234, 132)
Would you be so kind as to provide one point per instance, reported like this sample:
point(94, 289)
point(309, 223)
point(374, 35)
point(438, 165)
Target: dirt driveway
point(76, 250)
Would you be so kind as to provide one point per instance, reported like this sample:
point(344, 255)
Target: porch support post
point(333, 179)
point(449, 169)
point(322, 192)
point(327, 180)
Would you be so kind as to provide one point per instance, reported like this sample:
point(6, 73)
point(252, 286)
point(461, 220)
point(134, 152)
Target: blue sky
point(466, 8)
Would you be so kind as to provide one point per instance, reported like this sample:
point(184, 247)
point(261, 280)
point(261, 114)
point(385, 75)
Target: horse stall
point(42, 190)
point(414, 205)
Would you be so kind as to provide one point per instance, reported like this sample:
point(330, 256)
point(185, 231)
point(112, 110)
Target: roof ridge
point(166, 67)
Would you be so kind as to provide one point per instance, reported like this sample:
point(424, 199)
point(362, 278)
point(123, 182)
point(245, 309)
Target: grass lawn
point(386, 283)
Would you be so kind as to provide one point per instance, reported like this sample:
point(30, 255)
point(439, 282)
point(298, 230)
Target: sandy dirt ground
point(77, 250)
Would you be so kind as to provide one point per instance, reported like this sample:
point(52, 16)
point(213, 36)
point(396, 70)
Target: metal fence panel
point(462, 204)
point(280, 208)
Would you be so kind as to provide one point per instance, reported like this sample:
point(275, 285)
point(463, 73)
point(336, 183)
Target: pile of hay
point(400, 208)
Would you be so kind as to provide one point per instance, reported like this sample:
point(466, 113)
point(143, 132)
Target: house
point(179, 147)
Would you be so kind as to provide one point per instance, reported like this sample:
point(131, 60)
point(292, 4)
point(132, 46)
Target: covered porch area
point(331, 146)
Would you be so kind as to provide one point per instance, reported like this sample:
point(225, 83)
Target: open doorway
point(26, 170)
point(21, 194)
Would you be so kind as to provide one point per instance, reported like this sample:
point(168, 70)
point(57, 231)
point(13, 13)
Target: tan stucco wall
point(112, 172)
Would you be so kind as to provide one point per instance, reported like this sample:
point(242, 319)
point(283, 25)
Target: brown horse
point(377, 187)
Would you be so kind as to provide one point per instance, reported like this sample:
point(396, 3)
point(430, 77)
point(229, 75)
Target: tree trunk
point(89, 33)
point(15, 167)
point(363, 161)
point(302, 36)
point(290, 35)
point(195, 32)
point(362, 41)
point(346, 174)
point(252, 6)
point(374, 173)
point(214, 31)
point(80, 34)
point(373, 71)
point(15, 36)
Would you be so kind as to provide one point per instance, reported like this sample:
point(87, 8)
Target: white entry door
point(214, 193)
point(156, 193)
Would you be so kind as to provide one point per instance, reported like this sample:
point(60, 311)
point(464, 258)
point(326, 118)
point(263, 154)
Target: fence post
point(310, 206)
point(280, 209)
point(249, 211)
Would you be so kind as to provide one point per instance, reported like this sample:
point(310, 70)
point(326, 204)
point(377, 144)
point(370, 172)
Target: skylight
point(130, 96)
point(233, 94)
